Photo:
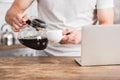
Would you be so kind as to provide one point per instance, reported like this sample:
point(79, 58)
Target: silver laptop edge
point(100, 45)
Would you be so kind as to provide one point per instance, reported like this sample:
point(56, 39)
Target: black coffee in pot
point(38, 44)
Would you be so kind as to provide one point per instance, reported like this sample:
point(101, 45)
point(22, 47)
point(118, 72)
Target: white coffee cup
point(54, 36)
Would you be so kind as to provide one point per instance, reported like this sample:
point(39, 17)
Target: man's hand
point(18, 21)
point(71, 36)
point(15, 16)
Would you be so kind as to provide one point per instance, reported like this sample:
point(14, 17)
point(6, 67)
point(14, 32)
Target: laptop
point(100, 45)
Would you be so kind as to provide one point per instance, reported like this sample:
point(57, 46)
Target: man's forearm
point(106, 16)
point(22, 5)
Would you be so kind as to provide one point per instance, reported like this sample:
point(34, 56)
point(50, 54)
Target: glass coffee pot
point(33, 35)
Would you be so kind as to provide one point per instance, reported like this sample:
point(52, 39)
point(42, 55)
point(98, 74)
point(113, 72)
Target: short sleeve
point(102, 4)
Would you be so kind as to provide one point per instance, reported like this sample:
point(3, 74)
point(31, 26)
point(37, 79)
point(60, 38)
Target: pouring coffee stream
point(34, 35)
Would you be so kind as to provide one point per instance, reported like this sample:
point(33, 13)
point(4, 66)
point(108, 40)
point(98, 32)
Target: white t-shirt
point(61, 14)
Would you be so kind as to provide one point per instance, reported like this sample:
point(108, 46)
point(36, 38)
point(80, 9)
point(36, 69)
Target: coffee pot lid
point(37, 24)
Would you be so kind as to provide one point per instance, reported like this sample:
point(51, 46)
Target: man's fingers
point(22, 18)
point(25, 18)
point(72, 38)
point(15, 28)
point(17, 22)
point(64, 40)
point(19, 17)
point(68, 31)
